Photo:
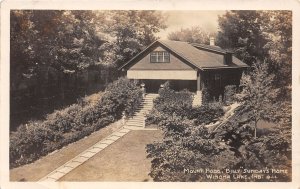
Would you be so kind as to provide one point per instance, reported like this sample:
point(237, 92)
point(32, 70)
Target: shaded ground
point(45, 165)
point(124, 160)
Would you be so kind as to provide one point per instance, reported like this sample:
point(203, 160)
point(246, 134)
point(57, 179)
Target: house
point(186, 65)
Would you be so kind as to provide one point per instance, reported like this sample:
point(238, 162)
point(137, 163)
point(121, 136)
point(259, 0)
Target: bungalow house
point(186, 65)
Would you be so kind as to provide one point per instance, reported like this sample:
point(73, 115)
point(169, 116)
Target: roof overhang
point(162, 74)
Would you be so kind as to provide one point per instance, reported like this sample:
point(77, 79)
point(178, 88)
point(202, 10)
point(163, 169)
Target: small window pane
point(159, 57)
point(166, 57)
point(153, 57)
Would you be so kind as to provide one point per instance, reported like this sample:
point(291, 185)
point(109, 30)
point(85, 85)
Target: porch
point(178, 79)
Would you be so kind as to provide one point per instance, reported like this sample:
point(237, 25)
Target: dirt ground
point(124, 160)
point(46, 164)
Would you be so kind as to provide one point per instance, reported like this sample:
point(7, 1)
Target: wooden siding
point(174, 64)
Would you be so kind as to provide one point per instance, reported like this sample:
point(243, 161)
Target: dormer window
point(159, 57)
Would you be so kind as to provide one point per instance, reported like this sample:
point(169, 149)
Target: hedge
point(179, 103)
point(206, 113)
point(38, 138)
point(170, 101)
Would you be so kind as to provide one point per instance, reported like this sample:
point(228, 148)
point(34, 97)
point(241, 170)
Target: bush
point(206, 95)
point(154, 117)
point(170, 102)
point(186, 146)
point(122, 95)
point(229, 94)
point(206, 113)
point(62, 127)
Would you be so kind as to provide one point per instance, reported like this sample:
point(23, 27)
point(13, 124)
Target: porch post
point(198, 83)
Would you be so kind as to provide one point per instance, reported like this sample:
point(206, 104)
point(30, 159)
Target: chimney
point(228, 58)
point(212, 41)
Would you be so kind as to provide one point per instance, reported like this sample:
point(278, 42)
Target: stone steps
point(137, 122)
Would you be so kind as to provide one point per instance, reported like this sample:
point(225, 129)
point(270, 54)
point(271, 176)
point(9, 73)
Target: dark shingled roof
point(210, 58)
point(199, 55)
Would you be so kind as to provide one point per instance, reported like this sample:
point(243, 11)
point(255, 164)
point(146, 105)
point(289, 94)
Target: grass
point(124, 160)
point(46, 164)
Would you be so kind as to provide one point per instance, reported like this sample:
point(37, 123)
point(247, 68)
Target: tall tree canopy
point(52, 51)
point(264, 36)
point(64, 40)
point(130, 32)
point(74, 40)
point(193, 35)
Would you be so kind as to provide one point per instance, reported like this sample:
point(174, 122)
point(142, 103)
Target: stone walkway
point(84, 156)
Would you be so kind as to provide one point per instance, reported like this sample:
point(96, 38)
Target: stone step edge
point(140, 128)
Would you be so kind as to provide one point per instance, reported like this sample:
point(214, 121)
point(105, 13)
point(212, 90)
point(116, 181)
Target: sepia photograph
point(150, 95)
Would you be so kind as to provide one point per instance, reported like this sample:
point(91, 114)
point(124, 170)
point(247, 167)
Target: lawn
point(45, 165)
point(124, 160)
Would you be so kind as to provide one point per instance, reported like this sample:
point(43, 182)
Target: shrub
point(229, 94)
point(206, 113)
point(62, 127)
point(121, 95)
point(28, 142)
point(170, 102)
point(206, 95)
point(154, 117)
point(186, 146)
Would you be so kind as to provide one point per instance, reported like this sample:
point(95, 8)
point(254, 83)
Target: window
point(159, 57)
point(217, 77)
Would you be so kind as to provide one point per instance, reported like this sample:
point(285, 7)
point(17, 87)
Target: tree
point(187, 147)
point(54, 48)
point(130, 32)
point(263, 36)
point(242, 32)
point(258, 94)
point(64, 40)
point(258, 36)
point(192, 35)
point(279, 46)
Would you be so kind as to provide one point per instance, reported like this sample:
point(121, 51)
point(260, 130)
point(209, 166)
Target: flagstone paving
point(35, 171)
point(124, 160)
point(84, 156)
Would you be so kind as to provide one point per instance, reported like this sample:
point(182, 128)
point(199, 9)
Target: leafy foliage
point(252, 35)
point(270, 149)
point(121, 95)
point(206, 95)
point(206, 113)
point(130, 32)
point(51, 50)
point(192, 35)
point(258, 95)
point(170, 102)
point(260, 36)
point(37, 138)
point(186, 146)
point(229, 94)
point(242, 32)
